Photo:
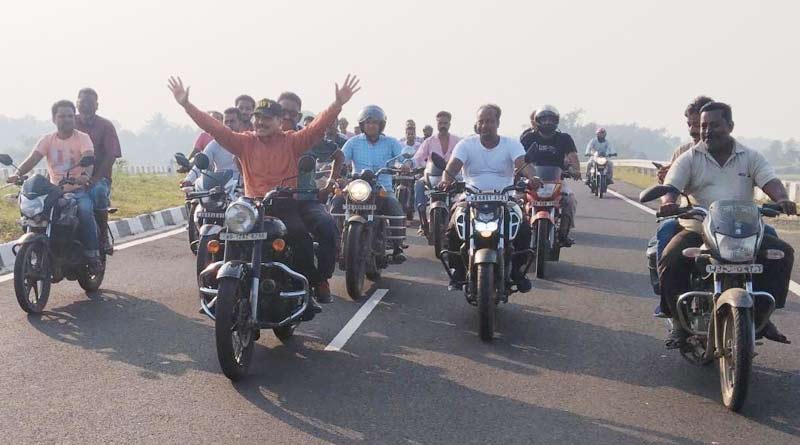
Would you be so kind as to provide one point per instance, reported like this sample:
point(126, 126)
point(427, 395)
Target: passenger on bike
point(218, 157)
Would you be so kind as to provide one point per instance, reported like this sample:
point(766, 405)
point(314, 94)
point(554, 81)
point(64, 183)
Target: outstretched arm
point(307, 137)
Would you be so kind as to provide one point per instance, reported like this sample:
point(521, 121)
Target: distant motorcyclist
point(599, 145)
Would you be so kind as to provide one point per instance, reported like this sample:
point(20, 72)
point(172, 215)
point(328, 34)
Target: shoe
point(421, 232)
point(95, 265)
point(677, 338)
point(567, 241)
point(314, 307)
point(457, 282)
point(771, 332)
point(454, 286)
point(523, 283)
point(324, 292)
point(659, 313)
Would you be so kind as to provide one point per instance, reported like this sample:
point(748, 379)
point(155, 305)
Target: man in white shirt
point(488, 161)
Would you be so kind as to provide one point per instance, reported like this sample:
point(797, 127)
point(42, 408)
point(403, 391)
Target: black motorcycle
point(255, 286)
point(403, 184)
point(49, 249)
point(487, 225)
point(365, 234)
point(722, 312)
point(434, 222)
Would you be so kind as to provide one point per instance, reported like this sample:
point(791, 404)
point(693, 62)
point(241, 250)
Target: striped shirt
point(365, 155)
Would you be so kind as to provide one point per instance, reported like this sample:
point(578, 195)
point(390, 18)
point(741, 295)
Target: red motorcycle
point(544, 208)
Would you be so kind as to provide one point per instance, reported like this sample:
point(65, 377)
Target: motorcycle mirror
point(438, 161)
point(367, 174)
point(657, 191)
point(658, 165)
point(6, 159)
point(201, 161)
point(306, 164)
point(182, 161)
point(87, 161)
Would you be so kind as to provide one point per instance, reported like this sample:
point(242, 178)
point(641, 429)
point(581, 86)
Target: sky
point(622, 61)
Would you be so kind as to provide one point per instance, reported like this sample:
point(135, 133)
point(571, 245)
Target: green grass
point(131, 194)
point(629, 175)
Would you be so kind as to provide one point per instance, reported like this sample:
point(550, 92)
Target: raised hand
point(348, 89)
point(181, 94)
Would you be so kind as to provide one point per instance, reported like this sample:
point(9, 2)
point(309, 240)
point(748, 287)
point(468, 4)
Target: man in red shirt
point(106, 151)
point(268, 155)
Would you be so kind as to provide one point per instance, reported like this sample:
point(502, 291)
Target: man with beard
point(427, 132)
point(246, 105)
point(721, 168)
point(268, 155)
point(553, 148)
point(106, 151)
point(314, 214)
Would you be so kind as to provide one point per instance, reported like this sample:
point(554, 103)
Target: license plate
point(543, 203)
point(212, 215)
point(227, 236)
point(734, 268)
point(360, 206)
point(485, 198)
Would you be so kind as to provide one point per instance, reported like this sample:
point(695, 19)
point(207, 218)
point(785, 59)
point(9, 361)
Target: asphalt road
point(577, 360)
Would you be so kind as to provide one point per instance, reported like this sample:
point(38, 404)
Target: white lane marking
point(349, 329)
point(140, 241)
point(793, 286)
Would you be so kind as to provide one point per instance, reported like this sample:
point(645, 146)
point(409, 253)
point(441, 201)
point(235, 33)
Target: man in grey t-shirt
point(218, 157)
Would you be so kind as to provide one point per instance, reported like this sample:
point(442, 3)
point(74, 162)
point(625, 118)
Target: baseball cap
point(268, 106)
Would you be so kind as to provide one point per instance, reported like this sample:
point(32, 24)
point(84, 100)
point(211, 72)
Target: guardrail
point(646, 167)
point(128, 169)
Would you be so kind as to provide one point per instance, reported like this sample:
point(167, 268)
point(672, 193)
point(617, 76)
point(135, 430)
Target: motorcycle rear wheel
point(736, 358)
point(354, 261)
point(486, 298)
point(32, 273)
point(235, 342)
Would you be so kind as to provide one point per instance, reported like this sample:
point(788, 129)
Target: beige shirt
point(681, 150)
point(698, 174)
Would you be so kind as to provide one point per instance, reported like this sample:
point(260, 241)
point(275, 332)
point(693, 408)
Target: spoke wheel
point(32, 277)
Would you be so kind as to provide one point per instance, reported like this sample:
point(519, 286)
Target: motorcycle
point(544, 207)
point(598, 178)
point(719, 311)
point(254, 286)
point(49, 249)
point(365, 235)
point(434, 222)
point(487, 225)
point(403, 184)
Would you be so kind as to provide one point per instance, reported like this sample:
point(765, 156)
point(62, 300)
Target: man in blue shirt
point(371, 150)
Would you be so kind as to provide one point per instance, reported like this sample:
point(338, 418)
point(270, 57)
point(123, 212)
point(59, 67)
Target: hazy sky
point(622, 61)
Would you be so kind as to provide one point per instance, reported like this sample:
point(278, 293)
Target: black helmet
point(372, 112)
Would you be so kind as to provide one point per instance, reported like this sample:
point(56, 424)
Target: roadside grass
point(631, 176)
point(131, 194)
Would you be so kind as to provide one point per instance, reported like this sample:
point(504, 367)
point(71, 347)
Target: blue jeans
point(87, 226)
point(669, 227)
point(101, 194)
point(420, 200)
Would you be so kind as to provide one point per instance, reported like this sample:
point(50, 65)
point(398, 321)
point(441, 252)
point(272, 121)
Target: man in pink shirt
point(442, 144)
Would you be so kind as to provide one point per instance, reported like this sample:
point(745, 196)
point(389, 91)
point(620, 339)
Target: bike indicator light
point(775, 254)
point(278, 245)
point(213, 247)
point(383, 193)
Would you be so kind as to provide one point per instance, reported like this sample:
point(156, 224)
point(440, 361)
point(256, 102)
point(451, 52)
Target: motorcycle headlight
point(485, 228)
point(359, 190)
point(240, 217)
point(546, 191)
point(32, 207)
point(602, 161)
point(737, 250)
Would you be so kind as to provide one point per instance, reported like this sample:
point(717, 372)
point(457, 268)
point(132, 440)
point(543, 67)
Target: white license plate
point(215, 215)
point(734, 268)
point(227, 236)
point(360, 206)
point(484, 198)
point(543, 203)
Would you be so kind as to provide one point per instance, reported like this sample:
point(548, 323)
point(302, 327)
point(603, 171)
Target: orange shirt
point(265, 162)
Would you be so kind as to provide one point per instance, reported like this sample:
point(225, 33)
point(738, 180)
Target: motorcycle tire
point(89, 282)
point(354, 260)
point(542, 246)
point(486, 301)
point(438, 227)
point(601, 187)
point(22, 268)
point(736, 359)
point(234, 361)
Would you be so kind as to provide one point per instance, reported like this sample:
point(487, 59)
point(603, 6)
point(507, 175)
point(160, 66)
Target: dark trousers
point(454, 243)
point(388, 206)
point(674, 269)
point(322, 225)
point(298, 238)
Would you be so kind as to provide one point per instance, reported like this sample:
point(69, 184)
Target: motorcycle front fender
point(357, 219)
point(210, 229)
point(232, 269)
point(31, 237)
point(438, 205)
point(483, 256)
point(543, 214)
point(735, 297)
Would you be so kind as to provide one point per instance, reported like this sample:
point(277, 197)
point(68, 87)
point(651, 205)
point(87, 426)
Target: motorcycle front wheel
point(235, 339)
point(32, 275)
point(736, 358)
point(354, 260)
point(438, 226)
point(486, 299)
point(542, 246)
point(92, 282)
point(601, 187)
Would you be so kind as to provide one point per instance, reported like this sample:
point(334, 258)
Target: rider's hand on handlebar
point(183, 184)
point(788, 207)
point(12, 179)
point(442, 185)
point(669, 208)
point(534, 183)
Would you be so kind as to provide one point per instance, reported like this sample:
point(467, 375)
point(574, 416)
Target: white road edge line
point(793, 286)
point(350, 328)
point(10, 275)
